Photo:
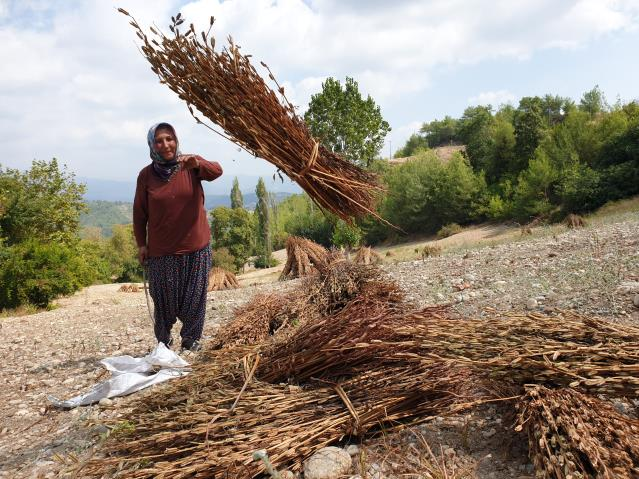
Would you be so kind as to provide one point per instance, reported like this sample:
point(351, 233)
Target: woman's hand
point(188, 162)
point(142, 255)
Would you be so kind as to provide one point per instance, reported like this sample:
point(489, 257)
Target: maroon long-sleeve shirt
point(169, 218)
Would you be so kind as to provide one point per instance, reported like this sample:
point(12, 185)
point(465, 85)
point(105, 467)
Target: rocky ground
point(594, 270)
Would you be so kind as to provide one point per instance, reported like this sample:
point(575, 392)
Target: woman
point(172, 234)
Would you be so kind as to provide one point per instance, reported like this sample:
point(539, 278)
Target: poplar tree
point(237, 200)
point(263, 222)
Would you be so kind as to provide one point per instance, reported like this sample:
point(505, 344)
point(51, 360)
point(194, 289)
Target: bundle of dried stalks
point(129, 288)
point(361, 334)
point(263, 316)
point(573, 435)
point(339, 281)
point(302, 257)
point(366, 255)
point(192, 430)
point(320, 294)
point(574, 221)
point(225, 87)
point(220, 279)
point(562, 350)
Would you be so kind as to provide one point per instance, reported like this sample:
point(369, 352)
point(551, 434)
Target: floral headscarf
point(165, 169)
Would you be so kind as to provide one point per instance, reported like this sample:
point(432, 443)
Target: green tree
point(503, 153)
point(474, 130)
point(427, 193)
point(233, 229)
point(529, 125)
point(299, 216)
point(440, 132)
point(535, 188)
point(414, 143)
point(43, 203)
point(262, 213)
point(34, 272)
point(579, 189)
point(122, 253)
point(346, 236)
point(237, 200)
point(593, 101)
point(345, 123)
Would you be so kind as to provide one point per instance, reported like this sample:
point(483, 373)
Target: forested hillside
point(105, 214)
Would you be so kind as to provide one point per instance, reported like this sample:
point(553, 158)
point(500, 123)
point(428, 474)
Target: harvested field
point(591, 271)
point(379, 362)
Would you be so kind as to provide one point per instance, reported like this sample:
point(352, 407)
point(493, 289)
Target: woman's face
point(165, 144)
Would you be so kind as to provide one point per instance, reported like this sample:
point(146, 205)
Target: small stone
point(352, 450)
point(105, 402)
point(489, 433)
point(449, 452)
point(100, 429)
point(374, 471)
point(327, 463)
point(636, 300)
point(531, 303)
point(287, 474)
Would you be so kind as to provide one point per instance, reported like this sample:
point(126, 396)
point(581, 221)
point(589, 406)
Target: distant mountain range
point(217, 192)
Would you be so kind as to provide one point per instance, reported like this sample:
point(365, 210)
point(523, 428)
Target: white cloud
point(494, 98)
point(75, 86)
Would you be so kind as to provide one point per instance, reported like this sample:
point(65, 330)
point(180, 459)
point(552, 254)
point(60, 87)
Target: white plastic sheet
point(129, 375)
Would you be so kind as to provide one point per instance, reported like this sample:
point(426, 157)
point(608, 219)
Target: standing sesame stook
point(172, 234)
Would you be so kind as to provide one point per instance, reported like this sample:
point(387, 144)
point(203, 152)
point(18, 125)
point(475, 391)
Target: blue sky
point(75, 87)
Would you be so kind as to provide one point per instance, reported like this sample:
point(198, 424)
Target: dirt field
point(594, 270)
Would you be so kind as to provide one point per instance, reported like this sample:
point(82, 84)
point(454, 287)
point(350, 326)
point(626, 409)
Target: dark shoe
point(194, 346)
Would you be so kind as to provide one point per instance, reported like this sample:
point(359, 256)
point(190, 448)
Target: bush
point(261, 262)
point(36, 273)
point(449, 230)
point(299, 216)
point(222, 258)
point(580, 189)
point(534, 193)
point(424, 194)
point(496, 208)
point(346, 236)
